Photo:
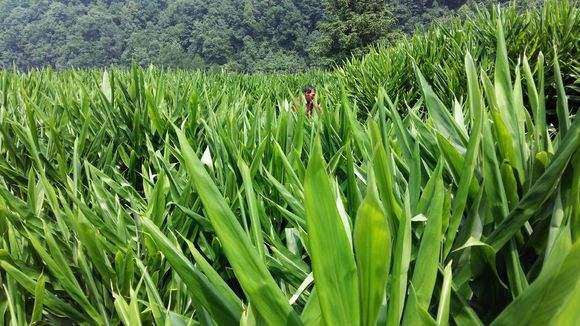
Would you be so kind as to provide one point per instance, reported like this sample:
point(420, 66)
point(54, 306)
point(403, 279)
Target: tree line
point(239, 35)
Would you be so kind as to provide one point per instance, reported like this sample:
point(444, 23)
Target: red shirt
point(309, 106)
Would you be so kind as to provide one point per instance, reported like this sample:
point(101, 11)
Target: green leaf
point(335, 273)
point(51, 301)
point(212, 275)
point(155, 301)
point(506, 103)
point(129, 313)
point(384, 173)
point(401, 261)
point(540, 191)
point(444, 121)
point(445, 297)
point(372, 243)
point(539, 127)
point(311, 315)
point(106, 87)
point(38, 299)
point(550, 298)
point(417, 315)
point(562, 106)
point(250, 270)
point(255, 227)
point(427, 260)
point(469, 164)
point(222, 310)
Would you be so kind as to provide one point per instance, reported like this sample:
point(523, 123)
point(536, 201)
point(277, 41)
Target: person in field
point(310, 98)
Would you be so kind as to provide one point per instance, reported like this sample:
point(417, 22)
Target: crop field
point(442, 193)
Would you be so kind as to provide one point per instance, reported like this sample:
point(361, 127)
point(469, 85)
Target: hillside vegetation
point(236, 35)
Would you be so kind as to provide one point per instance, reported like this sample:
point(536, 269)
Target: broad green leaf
point(311, 315)
point(506, 103)
point(427, 261)
point(155, 301)
point(444, 121)
point(255, 227)
point(562, 105)
point(251, 272)
point(129, 313)
point(38, 299)
point(384, 172)
point(106, 86)
point(372, 244)
point(335, 272)
point(469, 164)
point(548, 299)
point(401, 261)
point(212, 275)
point(540, 191)
point(539, 129)
point(223, 311)
point(445, 297)
point(417, 315)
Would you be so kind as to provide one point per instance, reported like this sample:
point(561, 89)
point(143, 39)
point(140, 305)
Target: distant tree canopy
point(350, 27)
point(242, 35)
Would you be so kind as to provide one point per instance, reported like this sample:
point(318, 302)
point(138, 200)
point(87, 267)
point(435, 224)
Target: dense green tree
point(244, 35)
point(351, 27)
point(411, 15)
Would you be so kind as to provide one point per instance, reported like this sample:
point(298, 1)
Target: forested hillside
point(239, 35)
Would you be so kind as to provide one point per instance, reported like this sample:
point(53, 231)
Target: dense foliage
point(248, 35)
point(145, 196)
point(538, 32)
point(239, 35)
point(350, 28)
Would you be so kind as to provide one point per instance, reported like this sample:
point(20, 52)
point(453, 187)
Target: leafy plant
point(147, 197)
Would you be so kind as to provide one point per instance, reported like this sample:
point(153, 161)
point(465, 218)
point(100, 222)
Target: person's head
point(309, 93)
